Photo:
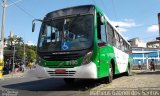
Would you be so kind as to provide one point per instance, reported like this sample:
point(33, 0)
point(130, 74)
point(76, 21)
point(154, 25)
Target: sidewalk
point(144, 71)
point(12, 75)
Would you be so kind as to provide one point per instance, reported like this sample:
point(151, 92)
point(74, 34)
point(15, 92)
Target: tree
point(14, 40)
point(31, 55)
point(19, 40)
point(20, 53)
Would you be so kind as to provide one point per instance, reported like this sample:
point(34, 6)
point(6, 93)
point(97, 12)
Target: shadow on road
point(53, 84)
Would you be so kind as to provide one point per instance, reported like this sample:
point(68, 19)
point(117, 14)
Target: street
point(30, 85)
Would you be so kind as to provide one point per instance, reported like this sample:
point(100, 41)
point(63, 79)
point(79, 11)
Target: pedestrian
point(16, 68)
point(152, 65)
point(30, 65)
point(139, 65)
point(10, 68)
point(23, 68)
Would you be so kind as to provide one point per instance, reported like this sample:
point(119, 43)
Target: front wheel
point(69, 80)
point(110, 76)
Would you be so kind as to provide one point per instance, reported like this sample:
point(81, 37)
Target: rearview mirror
point(33, 27)
point(33, 24)
point(102, 19)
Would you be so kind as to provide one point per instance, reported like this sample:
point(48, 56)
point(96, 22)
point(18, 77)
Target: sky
point(135, 18)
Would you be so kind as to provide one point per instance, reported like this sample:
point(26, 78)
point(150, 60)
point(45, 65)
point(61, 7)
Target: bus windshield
point(66, 34)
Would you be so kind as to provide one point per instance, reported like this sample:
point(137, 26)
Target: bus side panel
point(106, 54)
point(121, 60)
point(116, 68)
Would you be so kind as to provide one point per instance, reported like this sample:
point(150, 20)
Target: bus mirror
point(33, 27)
point(33, 24)
point(102, 19)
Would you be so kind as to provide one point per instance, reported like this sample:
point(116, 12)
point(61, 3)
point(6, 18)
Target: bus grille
point(57, 66)
point(68, 73)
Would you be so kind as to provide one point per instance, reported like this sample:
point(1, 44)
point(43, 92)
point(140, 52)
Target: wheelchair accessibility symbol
point(65, 45)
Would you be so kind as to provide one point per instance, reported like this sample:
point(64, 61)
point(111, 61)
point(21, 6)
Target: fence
point(144, 66)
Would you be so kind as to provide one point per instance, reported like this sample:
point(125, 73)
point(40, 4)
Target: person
point(23, 67)
point(152, 65)
point(139, 65)
point(10, 68)
point(16, 68)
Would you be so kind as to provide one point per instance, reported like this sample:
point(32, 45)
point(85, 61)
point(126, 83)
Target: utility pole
point(24, 54)
point(3, 23)
point(2, 34)
point(13, 66)
point(4, 5)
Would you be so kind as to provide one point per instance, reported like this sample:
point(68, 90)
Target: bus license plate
point(60, 71)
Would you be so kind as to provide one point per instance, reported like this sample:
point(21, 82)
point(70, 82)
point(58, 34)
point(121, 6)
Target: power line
point(23, 10)
point(14, 3)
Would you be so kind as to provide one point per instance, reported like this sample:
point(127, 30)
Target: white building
point(137, 42)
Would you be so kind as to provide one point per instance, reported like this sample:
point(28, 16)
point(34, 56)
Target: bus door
point(102, 45)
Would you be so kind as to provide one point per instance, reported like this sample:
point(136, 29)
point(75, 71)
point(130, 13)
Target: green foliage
point(31, 55)
point(30, 51)
point(20, 53)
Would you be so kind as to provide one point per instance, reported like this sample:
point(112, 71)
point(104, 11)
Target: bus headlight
point(87, 58)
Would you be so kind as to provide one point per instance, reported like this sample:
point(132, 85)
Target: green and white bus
point(81, 42)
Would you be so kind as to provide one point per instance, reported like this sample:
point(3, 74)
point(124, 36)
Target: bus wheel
point(69, 80)
point(128, 73)
point(110, 76)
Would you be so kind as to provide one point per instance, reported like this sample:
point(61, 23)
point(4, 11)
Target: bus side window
point(101, 31)
point(110, 34)
point(98, 27)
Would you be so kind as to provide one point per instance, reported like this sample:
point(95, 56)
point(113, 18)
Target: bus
point(80, 42)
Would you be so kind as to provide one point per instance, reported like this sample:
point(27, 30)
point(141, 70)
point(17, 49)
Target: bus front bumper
point(88, 71)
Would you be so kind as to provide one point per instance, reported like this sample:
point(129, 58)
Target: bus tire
point(69, 80)
point(128, 73)
point(110, 75)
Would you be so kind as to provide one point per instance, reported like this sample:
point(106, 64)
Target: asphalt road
point(29, 85)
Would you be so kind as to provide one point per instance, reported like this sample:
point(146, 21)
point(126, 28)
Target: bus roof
point(83, 9)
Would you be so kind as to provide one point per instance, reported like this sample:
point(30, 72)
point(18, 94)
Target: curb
point(12, 76)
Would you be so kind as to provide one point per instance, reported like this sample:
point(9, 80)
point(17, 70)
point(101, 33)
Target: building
point(153, 44)
point(137, 42)
point(142, 53)
point(145, 55)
